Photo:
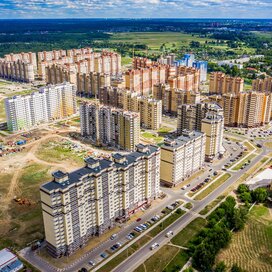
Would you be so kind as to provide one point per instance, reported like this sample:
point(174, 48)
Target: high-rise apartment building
point(87, 202)
point(247, 109)
point(109, 126)
point(220, 83)
point(173, 97)
point(213, 126)
point(181, 157)
point(262, 85)
point(150, 109)
point(202, 66)
point(49, 103)
point(190, 116)
point(24, 57)
point(207, 118)
point(18, 70)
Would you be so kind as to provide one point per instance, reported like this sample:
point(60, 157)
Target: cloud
point(135, 8)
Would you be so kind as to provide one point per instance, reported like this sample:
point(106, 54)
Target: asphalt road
point(144, 253)
point(172, 196)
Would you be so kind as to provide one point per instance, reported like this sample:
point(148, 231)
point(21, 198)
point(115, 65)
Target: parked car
point(104, 255)
point(113, 236)
point(92, 263)
point(138, 219)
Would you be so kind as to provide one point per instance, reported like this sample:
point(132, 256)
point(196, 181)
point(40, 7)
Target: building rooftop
point(6, 259)
point(186, 137)
point(96, 166)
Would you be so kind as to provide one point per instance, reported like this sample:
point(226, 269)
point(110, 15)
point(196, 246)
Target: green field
point(212, 187)
point(251, 248)
point(171, 40)
point(184, 236)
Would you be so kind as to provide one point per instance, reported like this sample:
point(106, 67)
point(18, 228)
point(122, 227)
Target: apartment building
point(24, 57)
point(89, 84)
point(18, 70)
point(213, 126)
point(262, 85)
point(221, 83)
point(190, 116)
point(207, 118)
point(104, 125)
point(49, 103)
point(173, 97)
point(181, 157)
point(85, 203)
point(247, 109)
point(150, 109)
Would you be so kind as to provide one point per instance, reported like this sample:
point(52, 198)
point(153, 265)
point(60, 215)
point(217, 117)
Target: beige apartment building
point(262, 85)
point(172, 98)
point(109, 126)
point(213, 126)
point(24, 57)
point(182, 157)
point(150, 109)
point(221, 83)
point(17, 70)
point(79, 205)
point(207, 118)
point(247, 109)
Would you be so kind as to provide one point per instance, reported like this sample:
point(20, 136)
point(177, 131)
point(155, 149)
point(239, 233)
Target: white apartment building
point(49, 103)
point(79, 205)
point(181, 157)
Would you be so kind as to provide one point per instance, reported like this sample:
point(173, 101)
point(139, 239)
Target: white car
point(169, 233)
point(155, 245)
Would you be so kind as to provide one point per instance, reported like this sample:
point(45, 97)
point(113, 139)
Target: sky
point(31, 9)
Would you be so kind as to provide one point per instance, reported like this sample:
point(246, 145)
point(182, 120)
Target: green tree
point(236, 268)
point(246, 197)
point(260, 195)
point(220, 267)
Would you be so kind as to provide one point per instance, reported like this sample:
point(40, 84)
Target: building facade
point(79, 205)
point(50, 103)
point(181, 157)
point(220, 83)
point(109, 126)
point(150, 109)
point(247, 109)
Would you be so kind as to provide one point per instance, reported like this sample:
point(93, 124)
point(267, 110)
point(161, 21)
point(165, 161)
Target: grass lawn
point(126, 60)
point(212, 187)
point(185, 235)
point(239, 165)
point(151, 136)
point(56, 151)
point(251, 248)
point(165, 223)
point(2, 111)
point(211, 205)
point(177, 262)
point(188, 205)
point(268, 144)
point(160, 260)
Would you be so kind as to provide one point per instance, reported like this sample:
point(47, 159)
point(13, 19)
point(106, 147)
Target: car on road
point(169, 233)
point(155, 245)
point(113, 236)
point(92, 263)
point(183, 188)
